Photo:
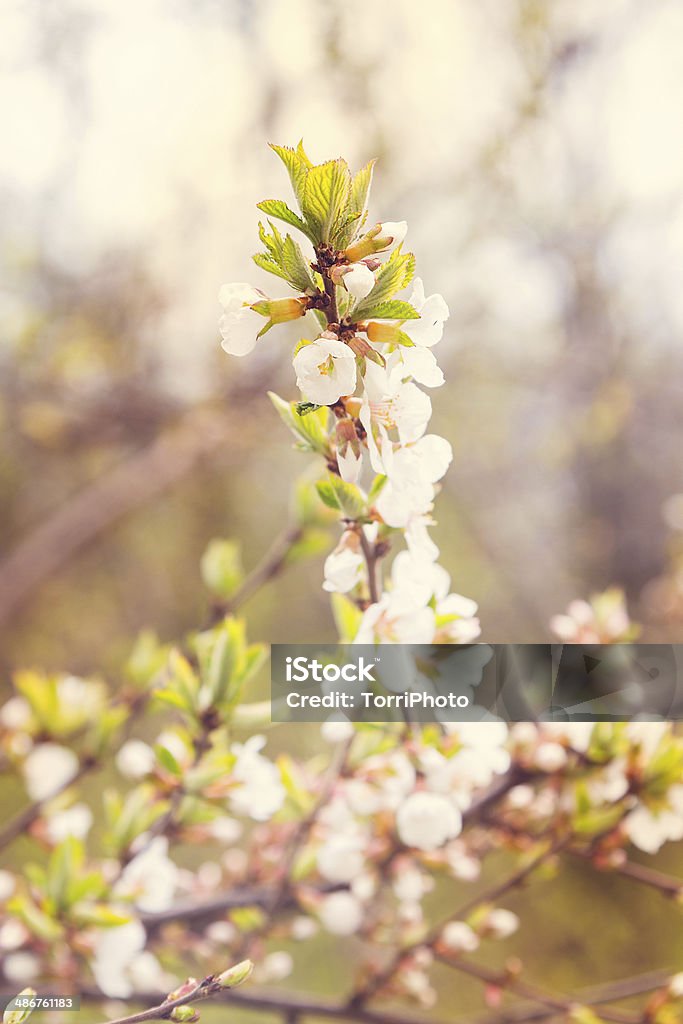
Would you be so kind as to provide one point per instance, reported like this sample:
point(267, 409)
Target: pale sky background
point(141, 126)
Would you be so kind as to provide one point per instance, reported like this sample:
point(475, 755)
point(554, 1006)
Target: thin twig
point(267, 569)
point(206, 988)
point(285, 1003)
point(503, 980)
point(383, 977)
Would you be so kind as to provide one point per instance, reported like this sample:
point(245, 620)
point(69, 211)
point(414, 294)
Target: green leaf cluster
point(308, 427)
point(332, 201)
point(65, 891)
point(332, 210)
point(284, 258)
point(342, 496)
point(225, 663)
point(391, 277)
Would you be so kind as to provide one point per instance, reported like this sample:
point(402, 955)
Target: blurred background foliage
point(530, 145)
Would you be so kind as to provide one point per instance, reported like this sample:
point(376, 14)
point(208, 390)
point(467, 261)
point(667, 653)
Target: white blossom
point(225, 829)
point(7, 884)
point(459, 937)
point(337, 730)
point(21, 967)
point(260, 793)
point(434, 312)
point(340, 913)
point(75, 821)
point(420, 364)
point(239, 324)
point(358, 280)
point(550, 757)
point(13, 934)
point(15, 713)
point(502, 923)
point(276, 966)
point(303, 928)
point(47, 769)
point(411, 475)
point(396, 230)
point(344, 568)
point(390, 621)
point(427, 821)
point(325, 370)
point(340, 858)
point(115, 951)
point(649, 830)
point(151, 877)
point(135, 759)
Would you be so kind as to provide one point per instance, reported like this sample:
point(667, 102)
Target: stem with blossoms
point(363, 406)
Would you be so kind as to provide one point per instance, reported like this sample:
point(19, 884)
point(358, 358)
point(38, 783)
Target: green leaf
point(16, 1012)
point(303, 408)
point(328, 495)
point(277, 208)
point(99, 914)
point(36, 920)
point(360, 190)
point(326, 199)
point(376, 487)
point(167, 760)
point(298, 165)
point(347, 617)
point(337, 493)
point(393, 309)
point(221, 567)
point(310, 430)
point(405, 340)
point(391, 277)
point(221, 652)
point(285, 259)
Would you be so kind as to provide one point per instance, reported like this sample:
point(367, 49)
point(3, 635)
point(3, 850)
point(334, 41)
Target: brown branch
point(208, 987)
point(287, 1003)
point(268, 568)
point(383, 977)
point(503, 980)
point(372, 563)
point(89, 513)
point(665, 884)
point(22, 821)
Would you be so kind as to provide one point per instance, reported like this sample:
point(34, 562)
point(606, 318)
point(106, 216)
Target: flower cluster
point(363, 405)
point(604, 619)
point(292, 851)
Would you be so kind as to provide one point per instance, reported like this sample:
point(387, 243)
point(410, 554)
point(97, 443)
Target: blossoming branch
point(363, 407)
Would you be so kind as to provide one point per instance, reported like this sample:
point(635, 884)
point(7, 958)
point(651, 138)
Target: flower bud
point(382, 237)
point(236, 975)
point(282, 310)
point(183, 990)
point(357, 279)
point(20, 1013)
point(184, 1014)
point(381, 333)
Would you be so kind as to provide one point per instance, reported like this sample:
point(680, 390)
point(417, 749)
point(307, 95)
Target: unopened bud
point(18, 1014)
point(184, 1014)
point(282, 310)
point(357, 279)
point(345, 435)
point(380, 238)
point(236, 975)
point(380, 333)
point(183, 990)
